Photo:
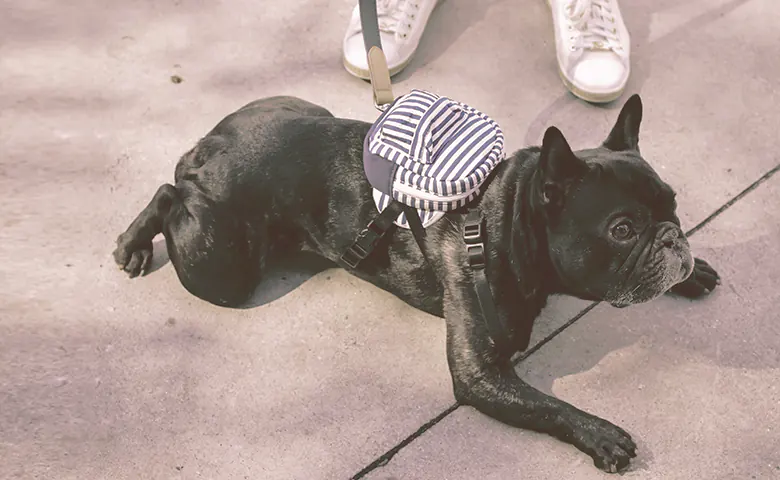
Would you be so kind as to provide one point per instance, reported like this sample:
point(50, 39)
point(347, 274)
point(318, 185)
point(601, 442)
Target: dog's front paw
point(133, 259)
point(609, 445)
point(703, 280)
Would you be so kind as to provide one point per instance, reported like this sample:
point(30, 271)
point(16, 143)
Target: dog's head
point(612, 230)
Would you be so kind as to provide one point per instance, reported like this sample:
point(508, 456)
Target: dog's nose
point(670, 234)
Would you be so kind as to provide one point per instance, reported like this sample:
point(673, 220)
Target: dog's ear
point(559, 167)
point(625, 133)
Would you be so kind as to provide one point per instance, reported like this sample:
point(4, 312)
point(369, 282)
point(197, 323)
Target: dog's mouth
point(665, 269)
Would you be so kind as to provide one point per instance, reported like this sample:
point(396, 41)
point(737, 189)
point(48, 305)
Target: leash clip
point(382, 108)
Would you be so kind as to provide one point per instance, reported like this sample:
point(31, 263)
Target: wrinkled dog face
point(613, 233)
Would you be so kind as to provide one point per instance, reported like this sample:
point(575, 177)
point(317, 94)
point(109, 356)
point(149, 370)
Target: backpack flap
point(431, 153)
point(414, 129)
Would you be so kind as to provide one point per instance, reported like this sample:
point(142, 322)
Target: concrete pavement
point(102, 377)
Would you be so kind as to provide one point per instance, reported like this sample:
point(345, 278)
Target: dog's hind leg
point(133, 251)
point(217, 255)
point(134, 247)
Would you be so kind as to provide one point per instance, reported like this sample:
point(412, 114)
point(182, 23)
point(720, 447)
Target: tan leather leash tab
point(377, 63)
point(380, 78)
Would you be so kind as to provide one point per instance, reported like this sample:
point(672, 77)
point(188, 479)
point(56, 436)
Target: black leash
point(369, 22)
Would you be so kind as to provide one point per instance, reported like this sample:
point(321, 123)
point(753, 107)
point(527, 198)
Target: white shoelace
point(595, 24)
point(396, 16)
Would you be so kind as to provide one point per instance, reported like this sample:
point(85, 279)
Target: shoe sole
point(590, 96)
point(365, 74)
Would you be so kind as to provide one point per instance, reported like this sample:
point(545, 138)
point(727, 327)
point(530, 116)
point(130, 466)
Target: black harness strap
point(366, 240)
point(474, 237)
point(413, 218)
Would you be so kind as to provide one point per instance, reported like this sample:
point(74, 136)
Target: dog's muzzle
point(664, 259)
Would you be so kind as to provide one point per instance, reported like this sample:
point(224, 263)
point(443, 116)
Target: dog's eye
point(622, 231)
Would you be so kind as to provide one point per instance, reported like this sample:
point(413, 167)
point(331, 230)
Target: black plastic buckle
point(363, 246)
point(475, 246)
point(472, 233)
point(476, 255)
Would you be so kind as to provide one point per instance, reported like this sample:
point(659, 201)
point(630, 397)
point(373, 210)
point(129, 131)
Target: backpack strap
point(474, 237)
point(366, 240)
point(377, 63)
point(415, 224)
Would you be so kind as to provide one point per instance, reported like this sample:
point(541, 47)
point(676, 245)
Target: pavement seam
point(734, 200)
point(385, 458)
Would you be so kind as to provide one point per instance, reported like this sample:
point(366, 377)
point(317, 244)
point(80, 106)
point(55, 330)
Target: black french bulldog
point(282, 174)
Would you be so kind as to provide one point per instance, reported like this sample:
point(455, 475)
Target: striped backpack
point(430, 153)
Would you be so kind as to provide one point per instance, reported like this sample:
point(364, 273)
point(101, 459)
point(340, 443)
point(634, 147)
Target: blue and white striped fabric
point(442, 152)
point(427, 217)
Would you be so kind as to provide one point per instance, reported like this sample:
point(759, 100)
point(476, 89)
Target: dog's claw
point(139, 263)
point(134, 261)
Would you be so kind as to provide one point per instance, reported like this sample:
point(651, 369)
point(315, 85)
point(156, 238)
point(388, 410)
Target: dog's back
point(241, 126)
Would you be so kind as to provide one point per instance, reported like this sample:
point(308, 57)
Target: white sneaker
point(593, 48)
point(401, 25)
